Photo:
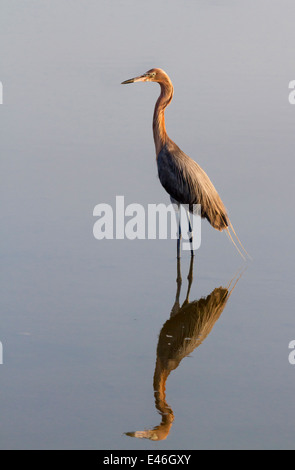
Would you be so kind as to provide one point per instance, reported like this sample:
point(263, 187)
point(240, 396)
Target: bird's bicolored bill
point(141, 78)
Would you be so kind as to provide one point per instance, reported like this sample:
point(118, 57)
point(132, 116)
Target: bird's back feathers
point(187, 183)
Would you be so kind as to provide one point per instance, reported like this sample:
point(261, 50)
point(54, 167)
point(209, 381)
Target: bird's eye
point(153, 74)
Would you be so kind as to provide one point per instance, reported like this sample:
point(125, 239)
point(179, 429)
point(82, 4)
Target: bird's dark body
point(186, 183)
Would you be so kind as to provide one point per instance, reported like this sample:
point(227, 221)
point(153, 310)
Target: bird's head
point(152, 75)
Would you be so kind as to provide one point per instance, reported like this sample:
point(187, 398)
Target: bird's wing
point(172, 177)
point(187, 183)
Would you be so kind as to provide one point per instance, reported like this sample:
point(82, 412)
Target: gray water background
point(80, 318)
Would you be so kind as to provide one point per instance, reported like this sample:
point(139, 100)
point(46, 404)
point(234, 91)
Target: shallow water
point(81, 319)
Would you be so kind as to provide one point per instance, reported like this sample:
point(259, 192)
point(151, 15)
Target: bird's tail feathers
point(235, 280)
point(241, 251)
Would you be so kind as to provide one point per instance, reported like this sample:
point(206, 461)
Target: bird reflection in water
point(189, 324)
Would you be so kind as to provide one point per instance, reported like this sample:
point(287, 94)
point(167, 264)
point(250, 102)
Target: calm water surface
point(91, 328)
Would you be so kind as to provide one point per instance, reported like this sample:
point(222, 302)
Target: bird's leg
point(178, 280)
point(179, 234)
point(190, 280)
point(190, 277)
point(190, 233)
point(176, 306)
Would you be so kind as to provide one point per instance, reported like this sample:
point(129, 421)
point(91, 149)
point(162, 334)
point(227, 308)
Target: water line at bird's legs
point(190, 233)
point(179, 234)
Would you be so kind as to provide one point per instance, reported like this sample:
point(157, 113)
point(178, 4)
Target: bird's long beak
point(141, 78)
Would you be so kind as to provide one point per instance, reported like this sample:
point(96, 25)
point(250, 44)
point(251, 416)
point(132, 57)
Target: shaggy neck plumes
point(159, 130)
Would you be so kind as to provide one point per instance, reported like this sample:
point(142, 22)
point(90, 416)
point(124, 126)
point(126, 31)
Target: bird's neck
point(159, 129)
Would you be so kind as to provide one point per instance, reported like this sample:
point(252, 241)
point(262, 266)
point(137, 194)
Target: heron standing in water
point(182, 177)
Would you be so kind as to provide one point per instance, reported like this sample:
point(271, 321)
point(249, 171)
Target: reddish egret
point(182, 177)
